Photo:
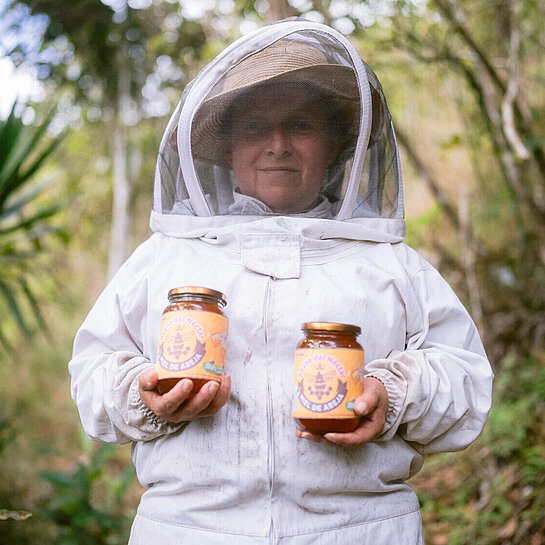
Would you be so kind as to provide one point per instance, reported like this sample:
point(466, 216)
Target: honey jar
point(327, 378)
point(192, 338)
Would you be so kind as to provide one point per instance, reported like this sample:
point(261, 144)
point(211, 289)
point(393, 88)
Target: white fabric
point(242, 476)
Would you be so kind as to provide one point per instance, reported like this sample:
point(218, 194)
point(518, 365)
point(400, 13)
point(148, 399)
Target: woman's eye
point(254, 127)
point(302, 126)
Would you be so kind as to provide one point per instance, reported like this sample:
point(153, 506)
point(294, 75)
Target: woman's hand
point(372, 406)
point(174, 406)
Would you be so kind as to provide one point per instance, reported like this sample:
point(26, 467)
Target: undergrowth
point(494, 492)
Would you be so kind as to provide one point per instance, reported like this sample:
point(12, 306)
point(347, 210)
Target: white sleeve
point(107, 360)
point(440, 386)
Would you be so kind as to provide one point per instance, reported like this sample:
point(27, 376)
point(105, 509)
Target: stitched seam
point(208, 530)
point(335, 529)
point(420, 318)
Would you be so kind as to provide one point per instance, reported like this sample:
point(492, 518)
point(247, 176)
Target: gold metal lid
point(331, 326)
point(197, 291)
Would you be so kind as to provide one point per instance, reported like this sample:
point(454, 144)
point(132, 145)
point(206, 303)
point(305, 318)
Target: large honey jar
point(192, 338)
point(327, 378)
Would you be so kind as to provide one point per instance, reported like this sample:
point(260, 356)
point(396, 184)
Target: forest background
point(465, 81)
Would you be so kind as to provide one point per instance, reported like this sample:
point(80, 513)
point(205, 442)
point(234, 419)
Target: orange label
point(326, 382)
point(192, 344)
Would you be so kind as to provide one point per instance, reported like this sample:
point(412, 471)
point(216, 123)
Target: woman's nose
point(278, 143)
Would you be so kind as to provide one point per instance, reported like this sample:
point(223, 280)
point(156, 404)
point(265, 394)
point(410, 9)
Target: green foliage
point(520, 394)
point(7, 434)
point(495, 491)
point(73, 503)
point(419, 227)
point(25, 219)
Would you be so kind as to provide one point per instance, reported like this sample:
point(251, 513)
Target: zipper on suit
point(269, 408)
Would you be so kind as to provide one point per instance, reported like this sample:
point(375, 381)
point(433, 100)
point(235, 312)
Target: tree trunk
point(278, 9)
point(119, 235)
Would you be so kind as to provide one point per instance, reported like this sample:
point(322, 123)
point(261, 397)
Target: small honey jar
point(192, 338)
point(327, 378)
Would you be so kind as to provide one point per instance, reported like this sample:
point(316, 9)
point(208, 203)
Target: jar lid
point(198, 291)
point(331, 326)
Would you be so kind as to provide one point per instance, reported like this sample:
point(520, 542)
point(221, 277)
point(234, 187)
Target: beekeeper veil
point(298, 82)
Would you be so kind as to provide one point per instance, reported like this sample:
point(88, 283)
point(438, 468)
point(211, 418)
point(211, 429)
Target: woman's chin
point(287, 205)
point(285, 209)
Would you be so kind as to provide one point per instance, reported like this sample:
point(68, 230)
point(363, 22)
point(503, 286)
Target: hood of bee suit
point(356, 192)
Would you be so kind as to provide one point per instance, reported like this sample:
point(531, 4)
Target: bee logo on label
point(182, 344)
point(322, 383)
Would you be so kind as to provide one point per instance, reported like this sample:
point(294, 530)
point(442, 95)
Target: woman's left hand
point(372, 406)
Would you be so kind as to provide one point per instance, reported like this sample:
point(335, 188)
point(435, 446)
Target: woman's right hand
point(174, 406)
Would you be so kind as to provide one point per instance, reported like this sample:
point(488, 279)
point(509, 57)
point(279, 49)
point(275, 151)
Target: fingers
point(374, 393)
point(311, 436)
point(174, 405)
point(148, 380)
point(221, 397)
point(368, 430)
point(207, 402)
point(365, 433)
point(372, 406)
point(165, 405)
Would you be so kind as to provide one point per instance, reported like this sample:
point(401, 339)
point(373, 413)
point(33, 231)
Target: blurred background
point(86, 89)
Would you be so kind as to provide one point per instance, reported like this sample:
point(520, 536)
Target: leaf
point(102, 454)
point(6, 344)
point(24, 219)
point(15, 515)
point(12, 175)
point(14, 307)
point(27, 223)
point(34, 305)
point(31, 170)
point(58, 478)
point(8, 135)
point(125, 480)
point(17, 205)
point(17, 257)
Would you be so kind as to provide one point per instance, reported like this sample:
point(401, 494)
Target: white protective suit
point(242, 477)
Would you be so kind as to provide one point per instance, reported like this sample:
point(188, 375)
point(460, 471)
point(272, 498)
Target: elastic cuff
point(147, 416)
point(395, 395)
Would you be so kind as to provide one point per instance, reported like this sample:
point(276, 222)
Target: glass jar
point(327, 378)
point(192, 338)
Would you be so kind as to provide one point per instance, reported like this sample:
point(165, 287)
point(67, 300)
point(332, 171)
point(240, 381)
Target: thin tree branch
point(440, 196)
point(509, 167)
point(455, 19)
point(511, 93)
point(469, 258)
point(278, 9)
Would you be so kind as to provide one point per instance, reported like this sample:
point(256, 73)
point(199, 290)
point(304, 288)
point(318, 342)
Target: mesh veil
point(300, 61)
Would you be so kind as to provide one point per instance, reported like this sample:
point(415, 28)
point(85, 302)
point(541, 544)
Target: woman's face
point(281, 147)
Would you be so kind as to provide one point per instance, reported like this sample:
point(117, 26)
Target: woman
point(278, 184)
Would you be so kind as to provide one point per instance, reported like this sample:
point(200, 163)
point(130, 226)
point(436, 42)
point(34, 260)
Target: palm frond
point(18, 145)
point(13, 305)
point(25, 222)
point(33, 302)
point(17, 202)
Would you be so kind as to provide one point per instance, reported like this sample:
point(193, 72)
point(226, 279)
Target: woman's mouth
point(278, 169)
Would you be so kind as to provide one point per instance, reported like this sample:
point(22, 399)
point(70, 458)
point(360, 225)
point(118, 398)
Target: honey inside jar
point(192, 338)
point(327, 379)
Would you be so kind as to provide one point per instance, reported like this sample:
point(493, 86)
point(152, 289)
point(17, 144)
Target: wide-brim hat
point(284, 61)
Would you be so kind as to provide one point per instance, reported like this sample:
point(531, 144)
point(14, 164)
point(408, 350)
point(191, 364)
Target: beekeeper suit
point(224, 219)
